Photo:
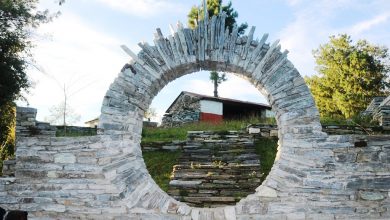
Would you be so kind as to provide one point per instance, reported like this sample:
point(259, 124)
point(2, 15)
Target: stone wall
point(186, 109)
point(104, 177)
point(216, 169)
point(28, 126)
point(264, 130)
point(9, 168)
point(163, 146)
point(379, 109)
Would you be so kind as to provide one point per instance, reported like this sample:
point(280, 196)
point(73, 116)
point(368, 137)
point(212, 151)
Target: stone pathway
point(215, 169)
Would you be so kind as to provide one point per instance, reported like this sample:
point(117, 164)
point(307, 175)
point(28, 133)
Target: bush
point(359, 120)
point(7, 132)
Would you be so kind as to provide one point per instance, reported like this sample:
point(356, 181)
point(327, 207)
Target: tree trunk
point(215, 88)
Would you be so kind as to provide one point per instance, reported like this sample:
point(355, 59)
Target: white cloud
point(144, 8)
point(82, 58)
point(369, 24)
point(315, 21)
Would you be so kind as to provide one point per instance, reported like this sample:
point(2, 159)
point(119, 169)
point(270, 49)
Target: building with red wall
point(192, 107)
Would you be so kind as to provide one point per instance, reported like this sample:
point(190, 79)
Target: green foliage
point(213, 7)
point(267, 149)
point(180, 133)
point(350, 75)
point(18, 19)
point(357, 120)
point(7, 131)
point(217, 79)
point(74, 132)
point(160, 164)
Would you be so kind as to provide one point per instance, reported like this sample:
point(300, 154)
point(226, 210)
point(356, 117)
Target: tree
point(217, 79)
point(17, 20)
point(350, 75)
point(7, 138)
point(213, 7)
point(62, 114)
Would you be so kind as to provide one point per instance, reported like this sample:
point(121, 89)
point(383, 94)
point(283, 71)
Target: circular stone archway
point(211, 47)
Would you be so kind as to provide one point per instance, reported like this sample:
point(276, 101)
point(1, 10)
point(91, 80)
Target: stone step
point(210, 166)
point(215, 169)
point(208, 199)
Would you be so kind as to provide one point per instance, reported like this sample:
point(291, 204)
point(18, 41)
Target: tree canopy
point(349, 76)
point(213, 7)
point(18, 19)
point(217, 79)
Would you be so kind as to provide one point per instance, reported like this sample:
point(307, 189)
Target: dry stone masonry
point(216, 169)
point(315, 175)
point(27, 125)
point(379, 110)
point(186, 110)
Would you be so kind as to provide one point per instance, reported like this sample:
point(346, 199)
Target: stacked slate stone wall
point(162, 146)
point(216, 169)
point(8, 167)
point(374, 104)
point(67, 178)
point(379, 110)
point(186, 109)
point(27, 125)
point(104, 177)
point(382, 113)
point(264, 130)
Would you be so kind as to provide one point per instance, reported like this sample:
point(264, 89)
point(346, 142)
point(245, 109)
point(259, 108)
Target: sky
point(80, 50)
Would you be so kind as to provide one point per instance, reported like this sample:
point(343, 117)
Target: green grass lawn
point(266, 148)
point(180, 133)
point(160, 163)
point(160, 166)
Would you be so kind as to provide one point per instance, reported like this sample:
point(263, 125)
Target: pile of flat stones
point(9, 168)
point(163, 146)
point(262, 130)
point(28, 126)
point(215, 169)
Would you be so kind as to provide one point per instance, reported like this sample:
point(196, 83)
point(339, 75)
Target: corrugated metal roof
point(220, 99)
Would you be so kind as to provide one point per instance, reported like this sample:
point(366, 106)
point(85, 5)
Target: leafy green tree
point(217, 79)
point(7, 128)
point(213, 7)
point(18, 18)
point(350, 75)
